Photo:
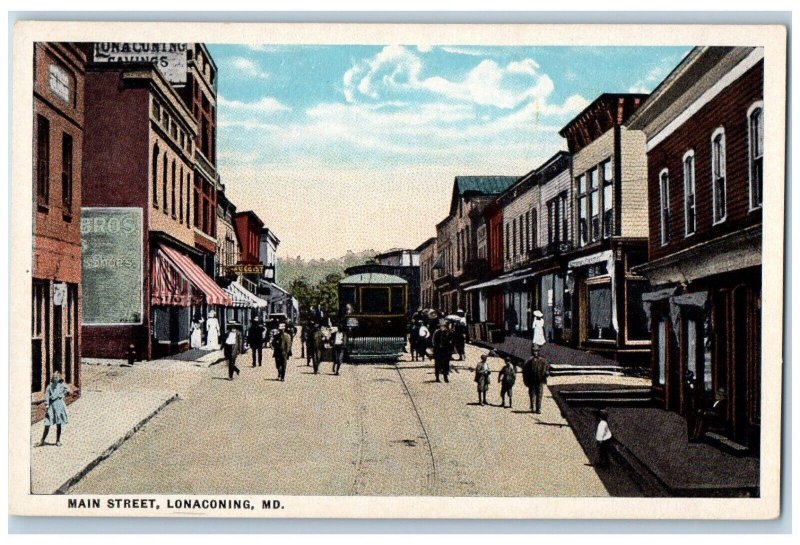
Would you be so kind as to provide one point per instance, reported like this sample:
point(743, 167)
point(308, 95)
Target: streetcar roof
point(372, 278)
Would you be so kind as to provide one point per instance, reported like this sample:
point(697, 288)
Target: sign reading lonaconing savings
point(111, 240)
point(170, 59)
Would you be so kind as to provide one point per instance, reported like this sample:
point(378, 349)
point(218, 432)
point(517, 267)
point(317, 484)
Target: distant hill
point(315, 270)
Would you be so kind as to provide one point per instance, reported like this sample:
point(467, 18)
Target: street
point(376, 429)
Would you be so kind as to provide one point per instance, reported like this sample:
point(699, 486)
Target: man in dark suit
point(255, 338)
point(534, 375)
point(281, 346)
point(442, 351)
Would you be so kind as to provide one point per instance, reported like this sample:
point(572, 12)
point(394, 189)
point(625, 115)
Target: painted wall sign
point(170, 59)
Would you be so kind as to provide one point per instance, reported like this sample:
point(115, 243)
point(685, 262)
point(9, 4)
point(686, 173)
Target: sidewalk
point(560, 357)
point(195, 356)
point(651, 445)
point(99, 422)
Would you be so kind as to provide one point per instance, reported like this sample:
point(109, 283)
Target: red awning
point(177, 280)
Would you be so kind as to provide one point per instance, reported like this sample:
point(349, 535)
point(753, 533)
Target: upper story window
point(608, 203)
point(689, 191)
point(594, 205)
point(42, 160)
point(718, 189)
point(557, 221)
point(59, 82)
point(663, 184)
point(755, 139)
point(583, 211)
point(66, 172)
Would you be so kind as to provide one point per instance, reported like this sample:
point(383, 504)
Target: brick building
point(705, 128)
point(139, 172)
point(58, 130)
point(609, 171)
point(427, 255)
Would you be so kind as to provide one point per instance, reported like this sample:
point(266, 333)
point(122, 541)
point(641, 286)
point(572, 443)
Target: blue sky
point(353, 147)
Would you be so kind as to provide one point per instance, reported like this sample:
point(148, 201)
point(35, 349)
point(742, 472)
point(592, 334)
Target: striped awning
point(242, 297)
point(177, 280)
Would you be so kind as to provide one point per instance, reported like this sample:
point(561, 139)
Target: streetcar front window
point(375, 300)
point(398, 300)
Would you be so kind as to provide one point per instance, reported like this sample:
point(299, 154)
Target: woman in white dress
point(538, 328)
point(212, 332)
point(196, 339)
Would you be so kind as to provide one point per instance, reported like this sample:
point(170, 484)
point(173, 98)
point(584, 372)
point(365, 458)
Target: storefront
point(245, 306)
point(555, 303)
point(610, 315)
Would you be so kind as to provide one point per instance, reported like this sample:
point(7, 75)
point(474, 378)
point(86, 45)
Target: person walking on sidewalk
point(538, 328)
point(507, 377)
point(255, 338)
point(603, 437)
point(231, 349)
point(337, 342)
point(482, 375)
point(534, 375)
point(281, 346)
point(56, 414)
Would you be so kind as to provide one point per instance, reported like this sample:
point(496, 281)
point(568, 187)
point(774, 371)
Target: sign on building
point(242, 268)
point(170, 59)
point(111, 240)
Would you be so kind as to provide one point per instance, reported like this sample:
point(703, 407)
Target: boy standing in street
point(507, 378)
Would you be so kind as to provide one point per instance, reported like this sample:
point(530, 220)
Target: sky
point(343, 148)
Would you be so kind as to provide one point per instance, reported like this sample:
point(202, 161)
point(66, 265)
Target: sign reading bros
point(111, 240)
point(170, 59)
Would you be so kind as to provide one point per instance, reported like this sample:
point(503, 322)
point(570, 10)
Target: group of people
point(436, 337)
point(257, 336)
point(314, 340)
point(534, 374)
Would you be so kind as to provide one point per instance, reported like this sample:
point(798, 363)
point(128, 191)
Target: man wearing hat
point(255, 338)
point(534, 375)
point(281, 345)
point(442, 351)
point(231, 348)
point(538, 328)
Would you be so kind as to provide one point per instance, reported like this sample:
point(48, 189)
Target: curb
point(105, 454)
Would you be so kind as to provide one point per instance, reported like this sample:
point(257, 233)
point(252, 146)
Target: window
point(514, 234)
point(583, 208)
point(375, 300)
point(608, 203)
point(755, 138)
point(59, 82)
point(599, 312)
point(689, 209)
point(188, 197)
point(180, 193)
point(594, 206)
point(164, 184)
point(718, 175)
point(398, 300)
point(663, 184)
point(534, 232)
point(42, 160)
point(508, 238)
point(66, 172)
point(154, 175)
point(173, 189)
point(40, 334)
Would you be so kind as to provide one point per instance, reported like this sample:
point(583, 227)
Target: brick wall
point(727, 110)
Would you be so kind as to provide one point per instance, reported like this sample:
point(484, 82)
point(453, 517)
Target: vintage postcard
point(397, 271)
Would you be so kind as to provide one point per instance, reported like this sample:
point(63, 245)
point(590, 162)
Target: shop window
point(661, 351)
point(60, 82)
point(663, 184)
point(599, 312)
point(66, 172)
point(375, 300)
point(689, 206)
point(42, 160)
point(718, 175)
point(755, 134)
point(40, 320)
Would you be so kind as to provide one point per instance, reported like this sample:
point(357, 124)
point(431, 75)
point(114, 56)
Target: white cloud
point(469, 51)
point(396, 71)
point(247, 68)
point(653, 77)
point(264, 105)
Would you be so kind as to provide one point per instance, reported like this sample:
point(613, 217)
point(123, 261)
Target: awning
point(177, 280)
point(242, 297)
point(591, 259)
point(504, 279)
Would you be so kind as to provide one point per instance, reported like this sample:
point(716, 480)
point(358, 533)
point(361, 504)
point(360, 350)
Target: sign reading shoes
point(170, 59)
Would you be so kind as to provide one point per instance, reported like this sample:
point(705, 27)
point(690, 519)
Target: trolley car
point(374, 307)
